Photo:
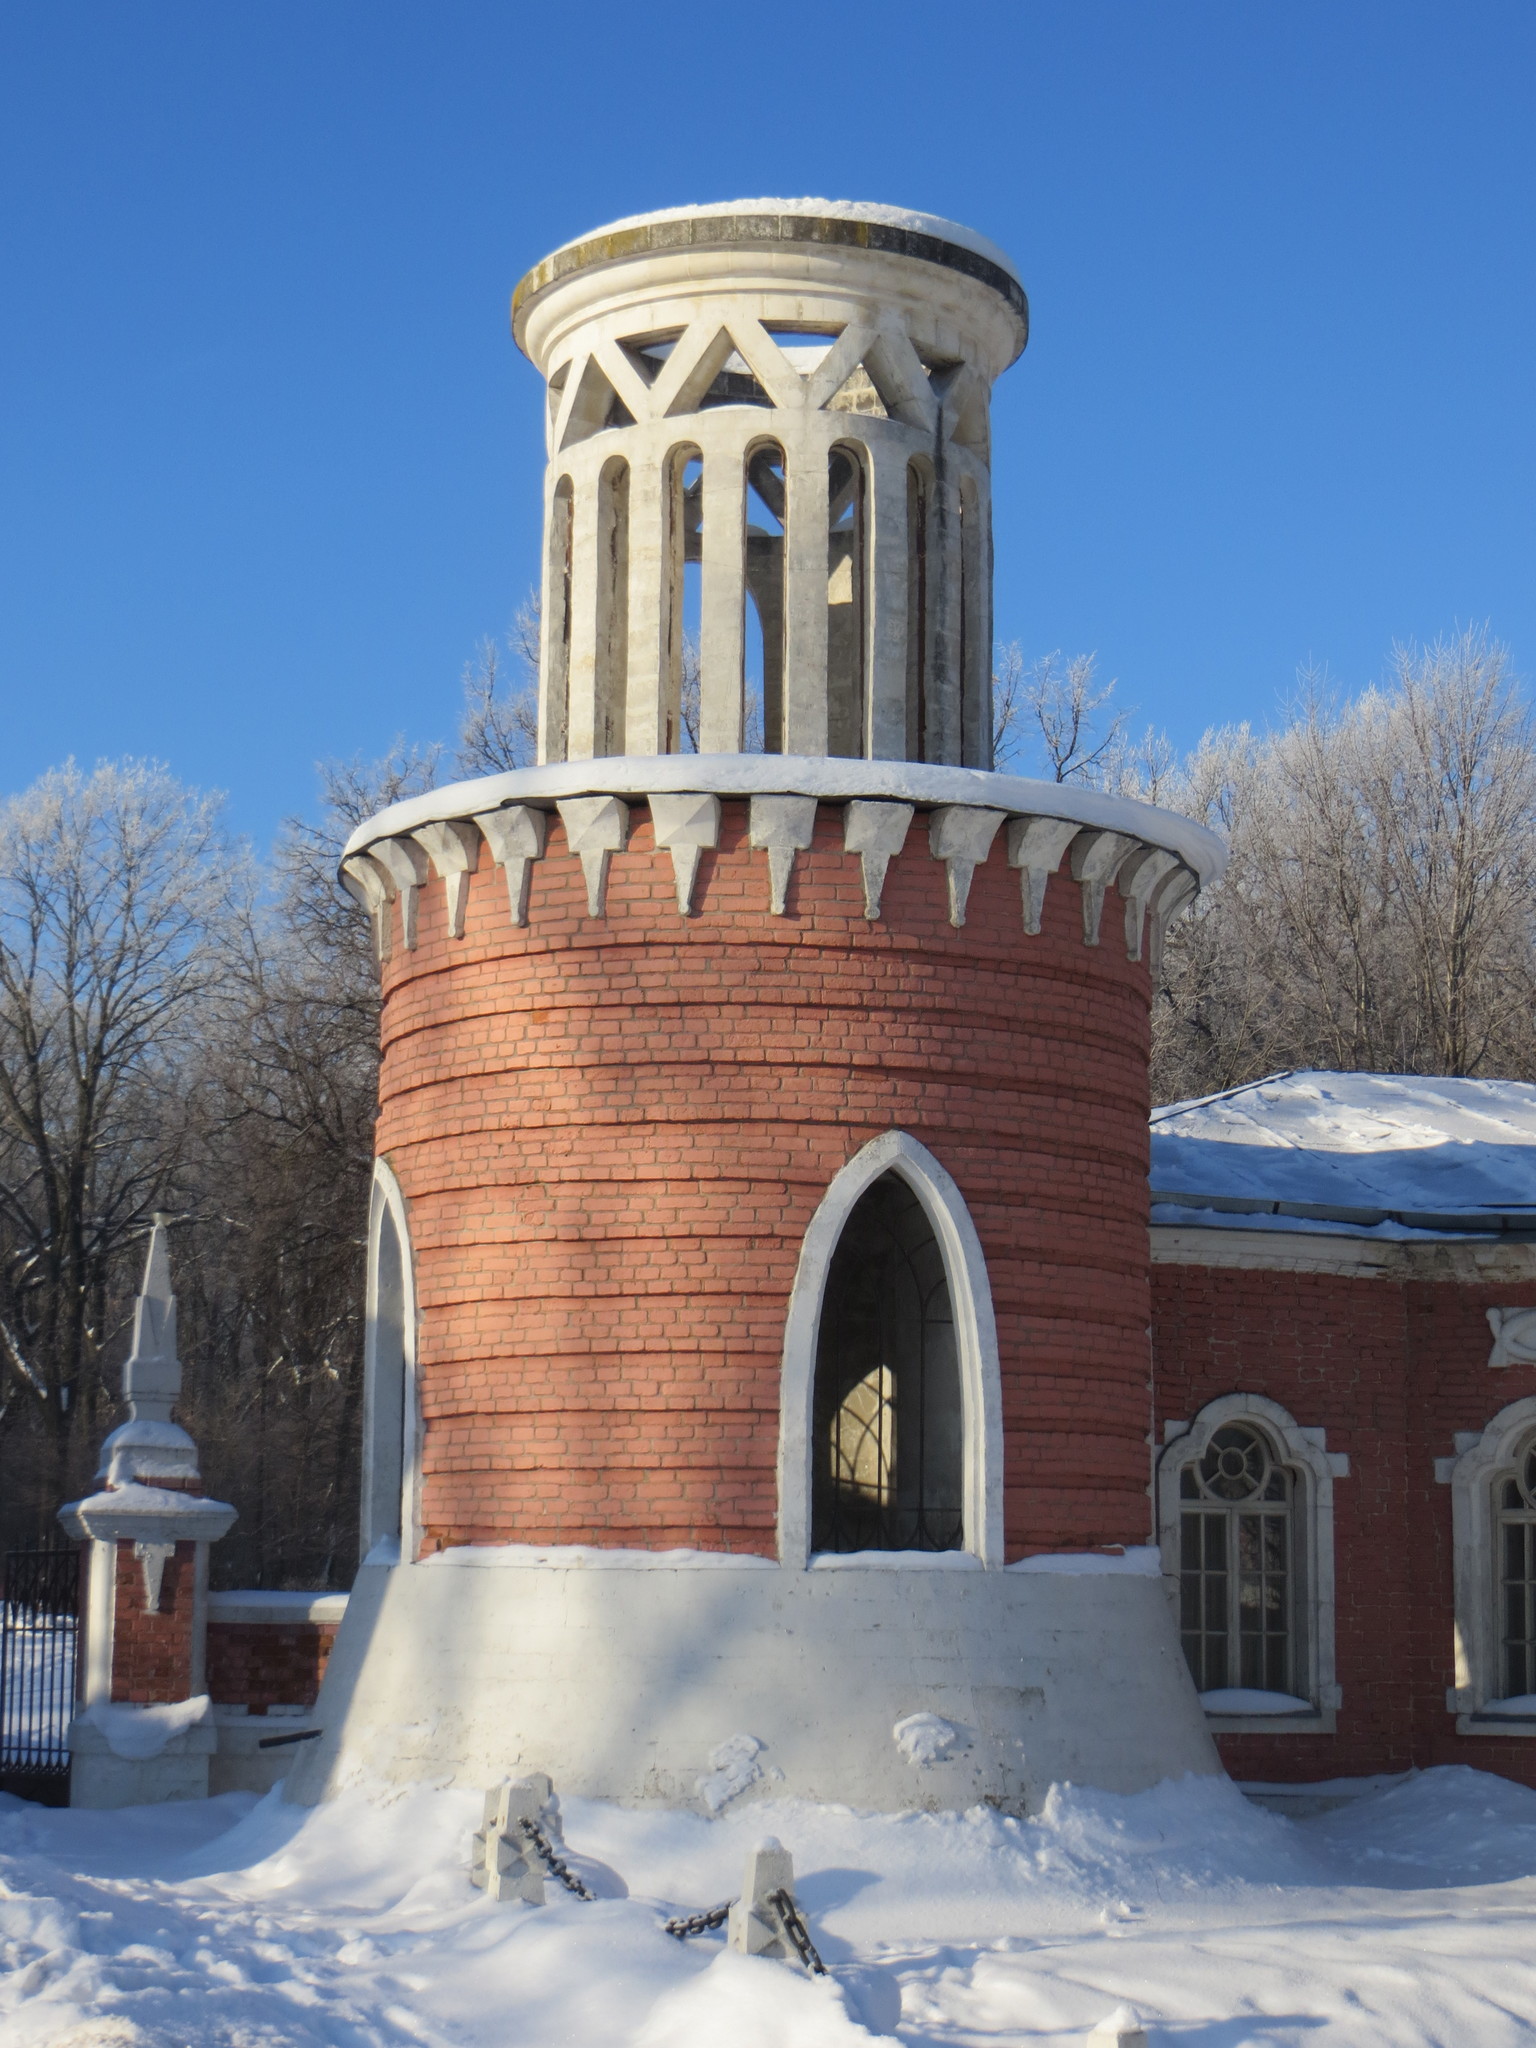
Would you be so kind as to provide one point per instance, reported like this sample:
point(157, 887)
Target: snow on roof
point(818, 209)
point(1385, 1155)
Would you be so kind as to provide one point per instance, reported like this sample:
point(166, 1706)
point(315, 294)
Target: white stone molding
point(1035, 848)
point(153, 1558)
point(975, 1330)
point(394, 855)
point(830, 779)
point(1138, 879)
point(453, 847)
point(1096, 858)
point(876, 833)
point(781, 827)
point(1314, 1467)
point(1514, 1336)
point(596, 828)
point(685, 822)
point(1177, 891)
point(516, 835)
point(391, 1422)
point(370, 885)
point(407, 866)
point(1483, 1461)
point(961, 836)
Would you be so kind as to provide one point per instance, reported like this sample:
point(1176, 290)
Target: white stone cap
point(277, 1607)
point(933, 225)
point(852, 226)
point(831, 779)
point(147, 1514)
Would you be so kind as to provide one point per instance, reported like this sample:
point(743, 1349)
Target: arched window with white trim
point(389, 1373)
point(891, 1428)
point(1493, 1517)
point(1516, 1510)
point(1235, 1541)
point(1245, 1510)
point(889, 1450)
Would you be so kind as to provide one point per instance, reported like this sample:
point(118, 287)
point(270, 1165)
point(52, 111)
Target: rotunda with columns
point(757, 1377)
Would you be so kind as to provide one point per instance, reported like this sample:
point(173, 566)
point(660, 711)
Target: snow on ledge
point(915, 222)
point(138, 1733)
point(896, 1560)
point(1521, 1706)
point(1142, 1561)
point(276, 1607)
point(1242, 1699)
point(576, 1557)
point(831, 779)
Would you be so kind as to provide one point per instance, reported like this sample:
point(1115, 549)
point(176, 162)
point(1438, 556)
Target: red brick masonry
point(152, 1653)
point(1392, 1370)
point(261, 1664)
point(613, 1132)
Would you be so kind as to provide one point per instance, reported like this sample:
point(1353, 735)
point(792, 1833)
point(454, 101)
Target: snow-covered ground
point(1406, 1917)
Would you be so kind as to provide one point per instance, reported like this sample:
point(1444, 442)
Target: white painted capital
point(876, 833)
point(961, 836)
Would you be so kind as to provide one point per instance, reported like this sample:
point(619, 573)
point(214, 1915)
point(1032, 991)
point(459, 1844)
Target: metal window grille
point(1517, 1579)
point(39, 1633)
point(889, 1426)
point(1236, 1535)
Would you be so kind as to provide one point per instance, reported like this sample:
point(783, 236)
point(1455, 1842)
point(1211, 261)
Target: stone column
point(144, 1729)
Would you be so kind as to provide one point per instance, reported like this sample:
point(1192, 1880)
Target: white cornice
point(831, 779)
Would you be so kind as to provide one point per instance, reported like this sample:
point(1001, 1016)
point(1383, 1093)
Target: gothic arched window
point(1235, 1564)
point(1516, 1510)
point(888, 1463)
point(389, 1356)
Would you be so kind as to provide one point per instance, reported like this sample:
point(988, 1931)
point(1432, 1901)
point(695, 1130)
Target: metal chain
point(796, 1932)
point(698, 1923)
point(552, 1862)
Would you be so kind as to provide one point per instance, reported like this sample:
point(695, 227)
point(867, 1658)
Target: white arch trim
point(1474, 1475)
point(1306, 1452)
point(975, 1333)
point(378, 1521)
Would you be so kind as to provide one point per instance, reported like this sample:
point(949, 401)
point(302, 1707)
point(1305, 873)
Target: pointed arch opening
point(891, 1424)
point(389, 1374)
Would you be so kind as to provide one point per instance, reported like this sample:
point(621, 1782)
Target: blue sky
point(269, 460)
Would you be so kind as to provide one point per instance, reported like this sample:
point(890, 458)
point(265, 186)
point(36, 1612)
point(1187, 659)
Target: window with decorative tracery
point(1235, 1564)
point(1516, 1509)
point(888, 1465)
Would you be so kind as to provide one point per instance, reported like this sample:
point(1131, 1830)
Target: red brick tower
point(759, 1290)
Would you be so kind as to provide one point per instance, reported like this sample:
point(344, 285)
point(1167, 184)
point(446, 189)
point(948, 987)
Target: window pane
point(889, 1418)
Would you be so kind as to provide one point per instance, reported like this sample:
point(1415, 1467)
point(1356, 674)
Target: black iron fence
point(39, 1638)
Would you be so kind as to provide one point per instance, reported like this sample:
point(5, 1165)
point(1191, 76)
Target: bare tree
point(500, 729)
point(1055, 708)
point(120, 901)
point(1377, 910)
point(271, 1264)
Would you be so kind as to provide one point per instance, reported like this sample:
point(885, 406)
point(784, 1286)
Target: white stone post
point(144, 1730)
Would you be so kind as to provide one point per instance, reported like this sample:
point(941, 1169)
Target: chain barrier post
point(758, 1923)
point(501, 1858)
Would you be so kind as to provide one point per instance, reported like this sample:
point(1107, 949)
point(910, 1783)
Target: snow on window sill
point(1238, 1710)
point(896, 1560)
point(1516, 1716)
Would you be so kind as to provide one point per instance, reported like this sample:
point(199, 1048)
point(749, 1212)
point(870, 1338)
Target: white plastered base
point(619, 1683)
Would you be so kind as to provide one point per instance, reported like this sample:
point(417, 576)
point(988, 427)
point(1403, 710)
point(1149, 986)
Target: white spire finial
point(152, 1375)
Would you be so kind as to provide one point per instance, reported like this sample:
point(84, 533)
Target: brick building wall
point(1392, 1369)
point(613, 1133)
point(152, 1653)
point(267, 1664)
